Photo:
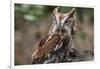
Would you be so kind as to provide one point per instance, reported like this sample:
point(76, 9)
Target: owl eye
point(67, 21)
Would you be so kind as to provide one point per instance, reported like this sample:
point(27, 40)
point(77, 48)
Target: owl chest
point(60, 50)
point(63, 44)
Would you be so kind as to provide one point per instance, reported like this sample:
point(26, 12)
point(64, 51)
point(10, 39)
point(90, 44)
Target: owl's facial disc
point(63, 22)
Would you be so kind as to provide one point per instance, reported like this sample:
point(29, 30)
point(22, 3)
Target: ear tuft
point(71, 13)
point(55, 11)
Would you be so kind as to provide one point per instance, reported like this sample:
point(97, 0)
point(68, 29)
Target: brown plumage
point(59, 39)
point(46, 45)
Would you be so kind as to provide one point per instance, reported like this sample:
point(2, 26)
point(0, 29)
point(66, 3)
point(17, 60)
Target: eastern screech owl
point(56, 45)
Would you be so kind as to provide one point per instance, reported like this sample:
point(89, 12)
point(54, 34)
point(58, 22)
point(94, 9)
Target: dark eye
point(67, 21)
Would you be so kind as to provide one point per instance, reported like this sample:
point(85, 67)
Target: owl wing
point(46, 45)
point(41, 43)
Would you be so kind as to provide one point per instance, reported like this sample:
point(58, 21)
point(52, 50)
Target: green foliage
point(31, 12)
point(36, 12)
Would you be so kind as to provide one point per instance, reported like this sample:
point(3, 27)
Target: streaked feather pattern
point(55, 46)
point(46, 46)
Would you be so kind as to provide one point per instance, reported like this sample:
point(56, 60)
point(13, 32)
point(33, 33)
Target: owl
point(55, 47)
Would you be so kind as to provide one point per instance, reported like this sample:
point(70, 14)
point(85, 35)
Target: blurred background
point(32, 22)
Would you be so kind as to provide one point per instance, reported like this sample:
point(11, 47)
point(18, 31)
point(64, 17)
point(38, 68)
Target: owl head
point(63, 23)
